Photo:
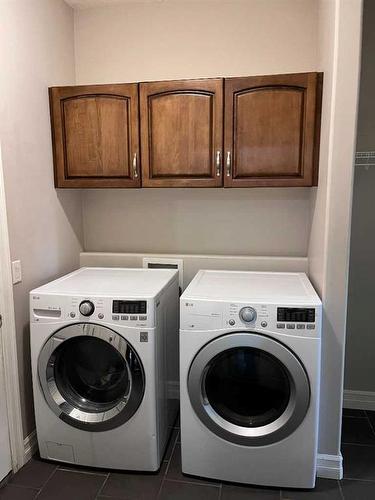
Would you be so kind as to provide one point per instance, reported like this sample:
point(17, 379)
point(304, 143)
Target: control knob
point(248, 314)
point(86, 308)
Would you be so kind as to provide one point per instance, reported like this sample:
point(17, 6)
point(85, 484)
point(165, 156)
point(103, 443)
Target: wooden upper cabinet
point(272, 130)
point(233, 132)
point(182, 133)
point(95, 133)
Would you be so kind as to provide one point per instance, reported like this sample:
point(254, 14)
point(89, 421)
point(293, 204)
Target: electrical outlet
point(16, 271)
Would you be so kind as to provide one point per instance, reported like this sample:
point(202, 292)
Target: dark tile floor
point(47, 481)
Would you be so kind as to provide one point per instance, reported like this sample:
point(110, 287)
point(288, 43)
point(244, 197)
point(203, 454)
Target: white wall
point(339, 57)
point(165, 40)
point(45, 226)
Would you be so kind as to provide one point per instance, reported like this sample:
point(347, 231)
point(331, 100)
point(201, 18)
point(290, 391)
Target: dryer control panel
point(197, 315)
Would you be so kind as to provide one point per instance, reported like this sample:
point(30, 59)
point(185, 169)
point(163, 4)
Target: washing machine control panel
point(86, 308)
point(129, 307)
point(296, 314)
point(248, 314)
point(118, 311)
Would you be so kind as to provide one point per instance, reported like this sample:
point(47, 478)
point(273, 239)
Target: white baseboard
point(30, 445)
point(329, 466)
point(359, 400)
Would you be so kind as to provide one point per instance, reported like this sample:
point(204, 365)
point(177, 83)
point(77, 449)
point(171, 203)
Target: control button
point(300, 327)
point(290, 326)
point(280, 325)
point(311, 327)
point(115, 317)
point(124, 318)
point(72, 315)
point(142, 318)
point(100, 315)
point(264, 324)
point(86, 308)
point(134, 318)
point(248, 314)
point(231, 322)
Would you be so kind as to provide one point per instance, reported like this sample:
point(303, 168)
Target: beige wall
point(137, 41)
point(156, 41)
point(318, 196)
point(208, 221)
point(339, 57)
point(36, 50)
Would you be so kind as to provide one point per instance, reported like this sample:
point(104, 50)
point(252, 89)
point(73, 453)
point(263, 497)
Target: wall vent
point(166, 263)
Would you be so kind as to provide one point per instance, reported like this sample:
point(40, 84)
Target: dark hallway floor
point(43, 480)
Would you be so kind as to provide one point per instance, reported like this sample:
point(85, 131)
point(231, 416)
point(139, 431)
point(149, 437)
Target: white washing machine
point(104, 351)
point(249, 372)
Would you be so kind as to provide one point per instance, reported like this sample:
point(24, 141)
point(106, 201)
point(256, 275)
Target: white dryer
point(102, 376)
point(249, 372)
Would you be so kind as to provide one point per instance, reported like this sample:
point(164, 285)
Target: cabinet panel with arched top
point(95, 135)
point(272, 130)
point(181, 133)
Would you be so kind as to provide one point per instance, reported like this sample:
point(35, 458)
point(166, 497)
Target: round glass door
point(248, 389)
point(91, 377)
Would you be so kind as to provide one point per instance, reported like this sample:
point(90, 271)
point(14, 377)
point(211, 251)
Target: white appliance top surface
point(113, 282)
point(293, 288)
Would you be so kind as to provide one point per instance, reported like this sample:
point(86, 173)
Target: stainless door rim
point(72, 415)
point(273, 432)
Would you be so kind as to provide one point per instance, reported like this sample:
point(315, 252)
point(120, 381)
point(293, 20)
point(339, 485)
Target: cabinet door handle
point(135, 169)
point(218, 163)
point(228, 164)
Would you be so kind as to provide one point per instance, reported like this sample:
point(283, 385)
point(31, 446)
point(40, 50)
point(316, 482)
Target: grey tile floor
point(43, 480)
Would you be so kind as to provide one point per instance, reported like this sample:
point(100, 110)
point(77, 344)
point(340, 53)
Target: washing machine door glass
point(91, 377)
point(248, 389)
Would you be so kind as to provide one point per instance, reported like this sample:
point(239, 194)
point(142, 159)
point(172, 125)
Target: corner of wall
point(340, 36)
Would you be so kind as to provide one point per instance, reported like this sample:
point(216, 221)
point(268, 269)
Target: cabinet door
point(182, 133)
point(95, 134)
point(272, 130)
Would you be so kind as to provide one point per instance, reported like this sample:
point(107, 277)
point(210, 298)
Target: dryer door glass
point(91, 377)
point(247, 386)
point(248, 389)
